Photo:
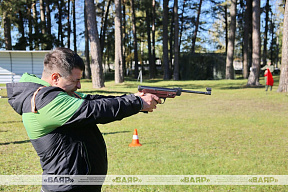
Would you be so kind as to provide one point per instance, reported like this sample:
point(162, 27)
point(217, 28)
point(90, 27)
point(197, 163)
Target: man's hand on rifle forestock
point(149, 101)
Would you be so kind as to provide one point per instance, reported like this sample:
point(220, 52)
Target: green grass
point(235, 131)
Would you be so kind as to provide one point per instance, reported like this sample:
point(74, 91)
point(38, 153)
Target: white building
point(14, 63)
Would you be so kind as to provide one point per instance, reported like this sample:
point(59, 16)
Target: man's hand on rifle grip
point(149, 101)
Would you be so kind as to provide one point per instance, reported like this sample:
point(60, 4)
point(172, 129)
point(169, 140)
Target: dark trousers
point(266, 86)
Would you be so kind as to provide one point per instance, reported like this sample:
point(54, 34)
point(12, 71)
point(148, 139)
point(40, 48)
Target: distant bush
point(202, 66)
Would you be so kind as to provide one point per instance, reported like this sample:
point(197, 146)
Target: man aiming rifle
point(61, 122)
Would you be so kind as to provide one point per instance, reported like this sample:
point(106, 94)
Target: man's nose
point(79, 85)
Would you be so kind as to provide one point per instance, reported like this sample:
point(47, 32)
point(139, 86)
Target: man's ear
point(55, 78)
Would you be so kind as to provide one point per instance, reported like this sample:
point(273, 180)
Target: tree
point(153, 64)
point(246, 39)
point(267, 8)
point(196, 27)
point(135, 38)
point(226, 27)
point(69, 25)
point(59, 17)
point(21, 43)
point(30, 32)
point(171, 39)
point(165, 40)
point(104, 21)
point(87, 56)
point(74, 25)
point(49, 38)
point(283, 83)
point(119, 75)
point(43, 23)
point(35, 25)
point(42, 16)
point(96, 63)
point(182, 23)
point(256, 51)
point(148, 7)
point(176, 40)
point(7, 30)
point(231, 41)
point(124, 36)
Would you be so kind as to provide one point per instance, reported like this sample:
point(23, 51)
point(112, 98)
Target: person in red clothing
point(268, 79)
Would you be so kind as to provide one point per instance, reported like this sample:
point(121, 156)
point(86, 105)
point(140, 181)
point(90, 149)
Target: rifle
point(164, 93)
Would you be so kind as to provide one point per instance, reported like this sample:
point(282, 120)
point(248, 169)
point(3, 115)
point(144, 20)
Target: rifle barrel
point(198, 92)
point(177, 90)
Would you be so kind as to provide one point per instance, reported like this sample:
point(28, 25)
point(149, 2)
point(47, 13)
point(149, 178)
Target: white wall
point(14, 63)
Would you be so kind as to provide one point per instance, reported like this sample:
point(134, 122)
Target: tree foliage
point(148, 31)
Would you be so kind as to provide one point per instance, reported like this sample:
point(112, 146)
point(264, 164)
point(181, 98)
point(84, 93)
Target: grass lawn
point(235, 131)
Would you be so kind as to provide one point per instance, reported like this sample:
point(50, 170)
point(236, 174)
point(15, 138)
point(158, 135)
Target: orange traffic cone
point(135, 141)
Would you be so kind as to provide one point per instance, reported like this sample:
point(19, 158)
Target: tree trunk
point(104, 26)
point(283, 83)
point(62, 4)
point(176, 39)
point(171, 38)
point(119, 78)
point(42, 24)
point(35, 25)
point(21, 44)
point(231, 41)
point(7, 31)
point(42, 16)
point(87, 56)
point(149, 39)
point(182, 25)
point(226, 28)
point(153, 63)
point(267, 7)
point(250, 45)
point(96, 63)
point(48, 16)
point(59, 38)
point(30, 25)
point(69, 24)
point(124, 37)
point(256, 51)
point(74, 25)
point(49, 40)
point(165, 40)
point(247, 29)
point(196, 28)
point(135, 39)
point(273, 55)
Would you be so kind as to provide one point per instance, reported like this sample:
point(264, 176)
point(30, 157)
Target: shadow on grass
point(112, 133)
point(6, 122)
point(27, 141)
point(15, 142)
point(243, 87)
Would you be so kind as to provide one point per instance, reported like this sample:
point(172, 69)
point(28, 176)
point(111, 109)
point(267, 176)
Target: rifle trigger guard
point(162, 100)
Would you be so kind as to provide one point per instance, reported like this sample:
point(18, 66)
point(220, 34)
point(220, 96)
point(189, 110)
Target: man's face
point(72, 82)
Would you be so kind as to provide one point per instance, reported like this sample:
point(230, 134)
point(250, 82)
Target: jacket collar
point(31, 78)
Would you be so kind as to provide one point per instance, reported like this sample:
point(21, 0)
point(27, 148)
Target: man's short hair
point(63, 61)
